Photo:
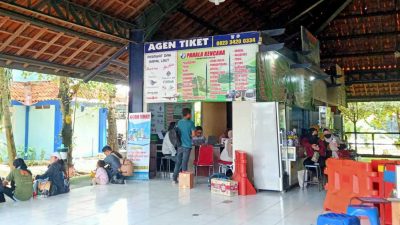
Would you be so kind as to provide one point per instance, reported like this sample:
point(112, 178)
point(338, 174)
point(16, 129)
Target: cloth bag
point(300, 178)
point(126, 168)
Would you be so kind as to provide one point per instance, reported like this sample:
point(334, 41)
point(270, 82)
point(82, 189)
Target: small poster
point(157, 117)
point(160, 77)
point(138, 147)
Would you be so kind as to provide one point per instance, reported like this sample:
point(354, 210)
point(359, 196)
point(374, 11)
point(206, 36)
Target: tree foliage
point(354, 112)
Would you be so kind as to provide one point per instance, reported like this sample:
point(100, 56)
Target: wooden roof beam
point(359, 54)
point(15, 35)
point(88, 56)
point(58, 28)
point(126, 4)
point(33, 39)
point(105, 56)
point(4, 20)
point(201, 21)
point(365, 89)
point(371, 14)
point(60, 51)
point(73, 55)
point(333, 16)
point(355, 36)
point(47, 46)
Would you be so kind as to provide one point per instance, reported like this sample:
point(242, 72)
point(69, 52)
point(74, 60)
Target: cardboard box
point(186, 180)
point(224, 187)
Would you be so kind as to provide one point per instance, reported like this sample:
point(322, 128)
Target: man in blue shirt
point(186, 129)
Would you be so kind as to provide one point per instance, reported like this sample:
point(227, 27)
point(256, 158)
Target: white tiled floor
point(158, 202)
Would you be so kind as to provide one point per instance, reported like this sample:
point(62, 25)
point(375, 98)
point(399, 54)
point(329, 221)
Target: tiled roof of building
point(29, 93)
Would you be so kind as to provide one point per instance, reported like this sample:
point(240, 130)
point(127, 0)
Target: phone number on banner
point(236, 42)
point(236, 39)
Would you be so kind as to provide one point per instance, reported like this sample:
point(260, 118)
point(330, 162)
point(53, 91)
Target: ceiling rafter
point(61, 50)
point(200, 21)
point(126, 4)
point(15, 35)
point(355, 36)
point(77, 52)
point(88, 56)
point(105, 56)
point(48, 45)
point(371, 14)
point(32, 40)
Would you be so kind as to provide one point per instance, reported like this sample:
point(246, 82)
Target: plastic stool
point(166, 171)
point(365, 210)
point(337, 219)
point(318, 174)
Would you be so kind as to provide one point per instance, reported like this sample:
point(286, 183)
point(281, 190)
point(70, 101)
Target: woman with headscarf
point(18, 184)
point(55, 174)
point(315, 149)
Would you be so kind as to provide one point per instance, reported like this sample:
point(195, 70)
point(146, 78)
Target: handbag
point(44, 188)
point(315, 157)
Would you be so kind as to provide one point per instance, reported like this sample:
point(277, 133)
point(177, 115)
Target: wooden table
point(395, 210)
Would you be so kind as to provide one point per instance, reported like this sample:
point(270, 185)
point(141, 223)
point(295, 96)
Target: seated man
point(55, 174)
point(198, 139)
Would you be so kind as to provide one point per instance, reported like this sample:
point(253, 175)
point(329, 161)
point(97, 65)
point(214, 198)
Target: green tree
point(382, 111)
point(5, 114)
point(66, 93)
point(354, 112)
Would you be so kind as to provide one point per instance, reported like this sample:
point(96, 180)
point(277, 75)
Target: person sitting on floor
point(198, 138)
point(113, 165)
point(20, 181)
point(315, 149)
point(168, 149)
point(55, 174)
point(101, 176)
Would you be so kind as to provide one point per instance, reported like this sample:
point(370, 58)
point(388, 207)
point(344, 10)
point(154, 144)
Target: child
point(101, 176)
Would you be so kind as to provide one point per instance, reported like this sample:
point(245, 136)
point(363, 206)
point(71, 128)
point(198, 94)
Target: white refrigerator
point(260, 129)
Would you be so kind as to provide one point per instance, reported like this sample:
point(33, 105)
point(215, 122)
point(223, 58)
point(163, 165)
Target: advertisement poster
point(157, 117)
point(310, 44)
point(217, 74)
point(216, 69)
point(138, 147)
point(160, 77)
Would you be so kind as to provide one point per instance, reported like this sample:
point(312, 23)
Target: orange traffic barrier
point(240, 174)
point(347, 179)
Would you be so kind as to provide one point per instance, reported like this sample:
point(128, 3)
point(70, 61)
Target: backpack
point(175, 137)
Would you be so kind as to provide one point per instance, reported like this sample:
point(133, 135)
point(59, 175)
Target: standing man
point(186, 131)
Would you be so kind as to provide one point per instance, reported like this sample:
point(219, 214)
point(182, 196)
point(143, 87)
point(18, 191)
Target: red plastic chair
point(205, 158)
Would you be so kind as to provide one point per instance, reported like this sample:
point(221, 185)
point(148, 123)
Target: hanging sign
point(138, 147)
point(219, 68)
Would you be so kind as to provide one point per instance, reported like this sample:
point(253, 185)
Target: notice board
point(214, 69)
